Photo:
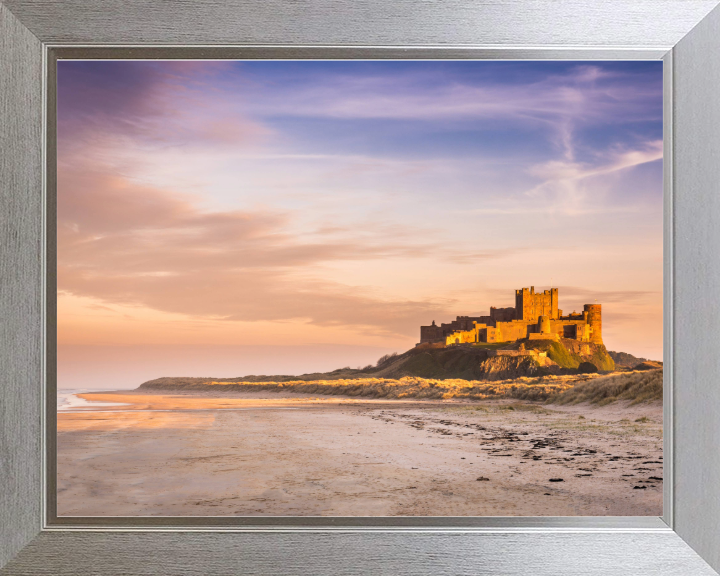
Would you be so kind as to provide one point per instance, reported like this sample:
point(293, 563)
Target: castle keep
point(535, 316)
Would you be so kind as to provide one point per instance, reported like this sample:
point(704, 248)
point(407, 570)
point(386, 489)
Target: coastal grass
point(636, 386)
point(408, 387)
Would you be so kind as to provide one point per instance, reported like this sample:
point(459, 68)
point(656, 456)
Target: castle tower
point(554, 313)
point(544, 325)
point(529, 305)
point(594, 320)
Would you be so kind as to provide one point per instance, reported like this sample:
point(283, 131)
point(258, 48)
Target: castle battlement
point(536, 316)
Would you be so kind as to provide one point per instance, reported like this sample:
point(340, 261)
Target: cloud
point(587, 94)
point(577, 296)
point(559, 170)
point(145, 227)
point(167, 103)
point(564, 187)
point(129, 243)
point(573, 188)
point(588, 296)
point(257, 295)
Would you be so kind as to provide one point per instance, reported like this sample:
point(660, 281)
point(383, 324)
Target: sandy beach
point(286, 454)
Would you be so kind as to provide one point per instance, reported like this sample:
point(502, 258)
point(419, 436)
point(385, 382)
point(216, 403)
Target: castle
point(535, 316)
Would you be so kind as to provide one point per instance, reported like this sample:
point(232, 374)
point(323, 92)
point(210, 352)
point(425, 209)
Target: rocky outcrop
point(508, 368)
point(570, 354)
point(625, 359)
point(466, 362)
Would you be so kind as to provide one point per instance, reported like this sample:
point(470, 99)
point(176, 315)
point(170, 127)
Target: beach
point(286, 454)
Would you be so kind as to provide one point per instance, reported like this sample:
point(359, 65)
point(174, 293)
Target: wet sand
point(292, 455)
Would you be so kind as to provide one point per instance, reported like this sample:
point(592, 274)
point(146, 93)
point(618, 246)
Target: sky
point(225, 218)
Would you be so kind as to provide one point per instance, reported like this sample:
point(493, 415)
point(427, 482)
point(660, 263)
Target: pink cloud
point(129, 243)
point(170, 102)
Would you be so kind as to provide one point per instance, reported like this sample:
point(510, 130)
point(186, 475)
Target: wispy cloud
point(563, 181)
point(584, 92)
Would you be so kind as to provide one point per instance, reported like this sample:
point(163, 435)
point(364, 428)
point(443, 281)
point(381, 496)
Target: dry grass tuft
point(526, 388)
point(637, 386)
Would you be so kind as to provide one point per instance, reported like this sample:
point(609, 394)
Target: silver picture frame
point(685, 34)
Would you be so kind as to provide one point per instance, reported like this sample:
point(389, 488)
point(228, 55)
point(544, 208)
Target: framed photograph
point(299, 224)
point(135, 179)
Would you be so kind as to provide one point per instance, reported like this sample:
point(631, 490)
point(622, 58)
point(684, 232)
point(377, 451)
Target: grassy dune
point(637, 386)
point(562, 389)
point(406, 387)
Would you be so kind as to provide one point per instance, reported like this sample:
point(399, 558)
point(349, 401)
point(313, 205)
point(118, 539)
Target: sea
point(67, 400)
